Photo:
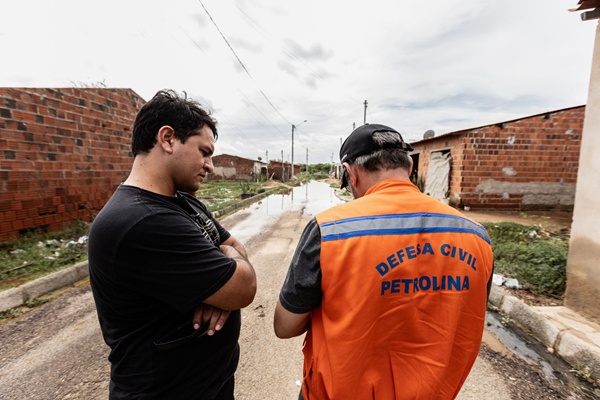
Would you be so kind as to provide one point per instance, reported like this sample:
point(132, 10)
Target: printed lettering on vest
point(412, 252)
point(455, 283)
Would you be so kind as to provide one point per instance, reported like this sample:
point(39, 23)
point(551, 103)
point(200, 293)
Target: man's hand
point(216, 316)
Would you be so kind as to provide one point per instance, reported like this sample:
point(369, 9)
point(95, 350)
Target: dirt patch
point(272, 184)
point(558, 222)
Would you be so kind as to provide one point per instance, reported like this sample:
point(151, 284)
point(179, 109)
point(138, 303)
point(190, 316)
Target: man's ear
point(352, 175)
point(165, 138)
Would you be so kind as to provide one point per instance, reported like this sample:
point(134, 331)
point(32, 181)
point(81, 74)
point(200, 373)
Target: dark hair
point(386, 158)
point(184, 115)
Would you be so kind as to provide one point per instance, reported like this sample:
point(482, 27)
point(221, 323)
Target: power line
point(241, 63)
point(261, 113)
point(193, 41)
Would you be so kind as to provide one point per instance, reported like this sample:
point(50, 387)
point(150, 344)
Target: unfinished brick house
point(281, 170)
point(522, 164)
point(234, 168)
point(62, 154)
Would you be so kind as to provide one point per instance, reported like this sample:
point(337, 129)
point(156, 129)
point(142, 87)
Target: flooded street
point(311, 198)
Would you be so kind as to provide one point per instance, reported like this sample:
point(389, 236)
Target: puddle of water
point(556, 372)
point(313, 197)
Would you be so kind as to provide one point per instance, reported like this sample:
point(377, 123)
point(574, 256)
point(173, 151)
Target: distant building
point(234, 168)
point(526, 163)
point(281, 170)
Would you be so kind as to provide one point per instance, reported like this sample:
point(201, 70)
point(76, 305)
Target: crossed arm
point(237, 293)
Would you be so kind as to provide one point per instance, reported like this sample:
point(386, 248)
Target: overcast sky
point(262, 65)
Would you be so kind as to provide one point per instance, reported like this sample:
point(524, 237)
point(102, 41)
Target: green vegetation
point(315, 172)
point(419, 182)
point(536, 258)
point(220, 194)
point(38, 254)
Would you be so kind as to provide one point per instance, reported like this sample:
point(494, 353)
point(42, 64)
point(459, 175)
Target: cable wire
point(241, 63)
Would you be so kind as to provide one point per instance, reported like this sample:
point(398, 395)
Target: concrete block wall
point(524, 164)
point(62, 154)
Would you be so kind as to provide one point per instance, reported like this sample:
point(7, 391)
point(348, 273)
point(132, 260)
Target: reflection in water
point(313, 197)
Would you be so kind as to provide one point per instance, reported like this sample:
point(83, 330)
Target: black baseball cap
point(360, 143)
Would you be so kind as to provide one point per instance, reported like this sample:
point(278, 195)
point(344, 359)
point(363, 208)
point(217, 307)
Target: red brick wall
point(62, 154)
point(530, 163)
point(228, 167)
point(281, 171)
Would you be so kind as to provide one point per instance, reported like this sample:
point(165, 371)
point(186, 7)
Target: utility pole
point(307, 160)
point(292, 166)
point(353, 126)
point(365, 117)
point(331, 165)
point(267, 156)
point(282, 167)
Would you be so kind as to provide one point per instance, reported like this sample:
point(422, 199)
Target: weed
point(534, 257)
point(419, 182)
point(37, 254)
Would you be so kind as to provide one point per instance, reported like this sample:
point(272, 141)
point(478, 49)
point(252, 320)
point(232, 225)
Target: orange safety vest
point(404, 282)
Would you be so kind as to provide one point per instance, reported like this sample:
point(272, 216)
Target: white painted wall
point(583, 265)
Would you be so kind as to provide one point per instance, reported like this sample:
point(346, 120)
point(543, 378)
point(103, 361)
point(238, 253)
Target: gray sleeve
point(301, 291)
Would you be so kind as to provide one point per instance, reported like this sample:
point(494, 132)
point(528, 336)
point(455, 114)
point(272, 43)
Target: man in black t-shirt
point(168, 280)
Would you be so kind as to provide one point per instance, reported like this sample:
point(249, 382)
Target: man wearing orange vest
point(391, 287)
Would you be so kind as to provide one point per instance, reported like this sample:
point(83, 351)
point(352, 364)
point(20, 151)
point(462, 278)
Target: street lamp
point(293, 128)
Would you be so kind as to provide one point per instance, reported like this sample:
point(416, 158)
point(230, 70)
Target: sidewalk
point(569, 335)
point(572, 337)
point(20, 295)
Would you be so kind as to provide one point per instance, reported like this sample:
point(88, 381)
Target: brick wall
point(529, 163)
point(62, 154)
point(281, 171)
point(228, 167)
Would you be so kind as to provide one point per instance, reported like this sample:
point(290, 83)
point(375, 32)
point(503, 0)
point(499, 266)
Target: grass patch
point(538, 259)
point(220, 194)
point(38, 254)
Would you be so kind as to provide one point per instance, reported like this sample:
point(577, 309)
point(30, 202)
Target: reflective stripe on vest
point(400, 224)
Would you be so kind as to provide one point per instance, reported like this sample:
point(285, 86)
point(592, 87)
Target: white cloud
point(441, 64)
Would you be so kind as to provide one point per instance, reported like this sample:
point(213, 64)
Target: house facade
point(522, 164)
point(234, 168)
point(282, 170)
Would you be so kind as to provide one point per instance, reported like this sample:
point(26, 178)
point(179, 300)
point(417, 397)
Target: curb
point(570, 336)
point(20, 295)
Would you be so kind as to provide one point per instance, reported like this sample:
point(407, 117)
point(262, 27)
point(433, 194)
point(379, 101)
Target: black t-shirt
point(151, 264)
